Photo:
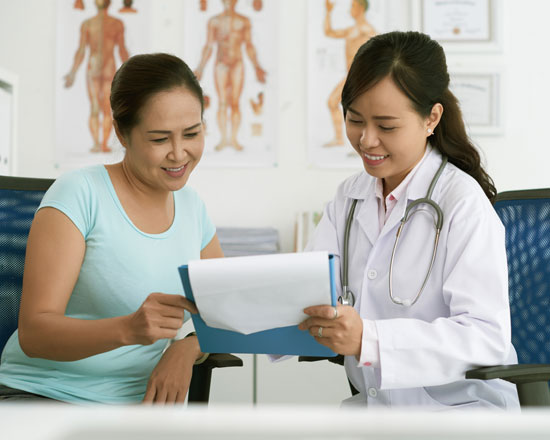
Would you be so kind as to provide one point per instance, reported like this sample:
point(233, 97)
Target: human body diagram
point(101, 34)
point(227, 33)
point(354, 37)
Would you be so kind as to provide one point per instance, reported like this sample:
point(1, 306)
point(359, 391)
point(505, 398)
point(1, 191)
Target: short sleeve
point(72, 195)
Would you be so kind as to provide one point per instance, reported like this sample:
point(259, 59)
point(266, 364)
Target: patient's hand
point(159, 317)
point(170, 379)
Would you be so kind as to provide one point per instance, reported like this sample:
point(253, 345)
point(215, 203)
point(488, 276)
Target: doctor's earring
point(430, 132)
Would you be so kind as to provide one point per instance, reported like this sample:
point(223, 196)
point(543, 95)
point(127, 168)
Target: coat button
point(372, 274)
point(373, 392)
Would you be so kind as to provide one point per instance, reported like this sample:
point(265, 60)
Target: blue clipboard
point(283, 340)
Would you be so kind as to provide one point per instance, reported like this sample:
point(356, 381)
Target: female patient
point(101, 292)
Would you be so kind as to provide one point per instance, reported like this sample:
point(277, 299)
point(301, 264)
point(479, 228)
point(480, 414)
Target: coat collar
point(418, 187)
point(363, 185)
point(362, 189)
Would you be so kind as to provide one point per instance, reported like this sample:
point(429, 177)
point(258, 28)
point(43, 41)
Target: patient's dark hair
point(417, 65)
point(141, 77)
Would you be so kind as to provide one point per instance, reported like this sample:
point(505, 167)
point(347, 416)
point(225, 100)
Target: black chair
point(19, 199)
point(526, 217)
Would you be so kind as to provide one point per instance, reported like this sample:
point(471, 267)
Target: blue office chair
point(19, 199)
point(526, 217)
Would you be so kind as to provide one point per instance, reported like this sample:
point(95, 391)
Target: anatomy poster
point(94, 37)
point(336, 29)
point(230, 45)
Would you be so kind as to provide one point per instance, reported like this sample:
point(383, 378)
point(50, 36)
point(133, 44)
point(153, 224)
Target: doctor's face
point(389, 135)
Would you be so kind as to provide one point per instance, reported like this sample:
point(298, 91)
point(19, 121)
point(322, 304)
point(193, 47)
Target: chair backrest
point(19, 198)
point(526, 217)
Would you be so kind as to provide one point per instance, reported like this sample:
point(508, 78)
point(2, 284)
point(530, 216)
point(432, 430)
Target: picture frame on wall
point(8, 121)
point(479, 93)
point(462, 26)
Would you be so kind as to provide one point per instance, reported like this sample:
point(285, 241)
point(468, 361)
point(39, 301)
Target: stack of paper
point(253, 304)
point(238, 242)
point(254, 293)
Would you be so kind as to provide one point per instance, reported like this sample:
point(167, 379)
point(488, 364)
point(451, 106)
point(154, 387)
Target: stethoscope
point(348, 298)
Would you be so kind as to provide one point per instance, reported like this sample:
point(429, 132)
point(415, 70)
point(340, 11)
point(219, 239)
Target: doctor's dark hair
point(418, 67)
point(141, 77)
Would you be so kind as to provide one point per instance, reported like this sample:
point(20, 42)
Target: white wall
point(270, 197)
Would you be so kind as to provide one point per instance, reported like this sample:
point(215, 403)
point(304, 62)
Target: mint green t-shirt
point(122, 266)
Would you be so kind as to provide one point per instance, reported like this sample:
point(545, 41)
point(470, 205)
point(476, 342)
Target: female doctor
point(405, 343)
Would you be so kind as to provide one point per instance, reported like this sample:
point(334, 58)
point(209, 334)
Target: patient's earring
point(430, 131)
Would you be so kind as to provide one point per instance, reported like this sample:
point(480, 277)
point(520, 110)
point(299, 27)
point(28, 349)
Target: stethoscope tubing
point(347, 297)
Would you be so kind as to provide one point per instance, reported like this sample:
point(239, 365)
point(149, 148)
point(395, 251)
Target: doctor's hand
point(170, 379)
point(339, 328)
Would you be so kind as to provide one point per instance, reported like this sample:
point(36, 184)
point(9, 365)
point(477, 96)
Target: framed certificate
point(462, 25)
point(479, 96)
point(8, 121)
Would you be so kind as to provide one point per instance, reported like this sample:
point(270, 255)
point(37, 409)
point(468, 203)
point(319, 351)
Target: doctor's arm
point(348, 334)
point(477, 330)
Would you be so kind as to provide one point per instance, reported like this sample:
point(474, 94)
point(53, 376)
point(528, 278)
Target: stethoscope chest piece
point(347, 298)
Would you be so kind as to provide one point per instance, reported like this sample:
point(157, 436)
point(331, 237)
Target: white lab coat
point(461, 321)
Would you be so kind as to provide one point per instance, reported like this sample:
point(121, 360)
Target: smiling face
point(165, 146)
point(389, 135)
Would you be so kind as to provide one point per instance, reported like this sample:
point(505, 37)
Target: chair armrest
point(531, 381)
point(222, 360)
point(199, 389)
point(338, 359)
point(519, 373)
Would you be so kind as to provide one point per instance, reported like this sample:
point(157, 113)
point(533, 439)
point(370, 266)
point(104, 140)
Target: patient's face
point(167, 144)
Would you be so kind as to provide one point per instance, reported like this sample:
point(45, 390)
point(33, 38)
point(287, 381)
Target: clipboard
point(282, 341)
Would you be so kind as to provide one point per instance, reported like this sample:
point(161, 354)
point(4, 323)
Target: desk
point(66, 422)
